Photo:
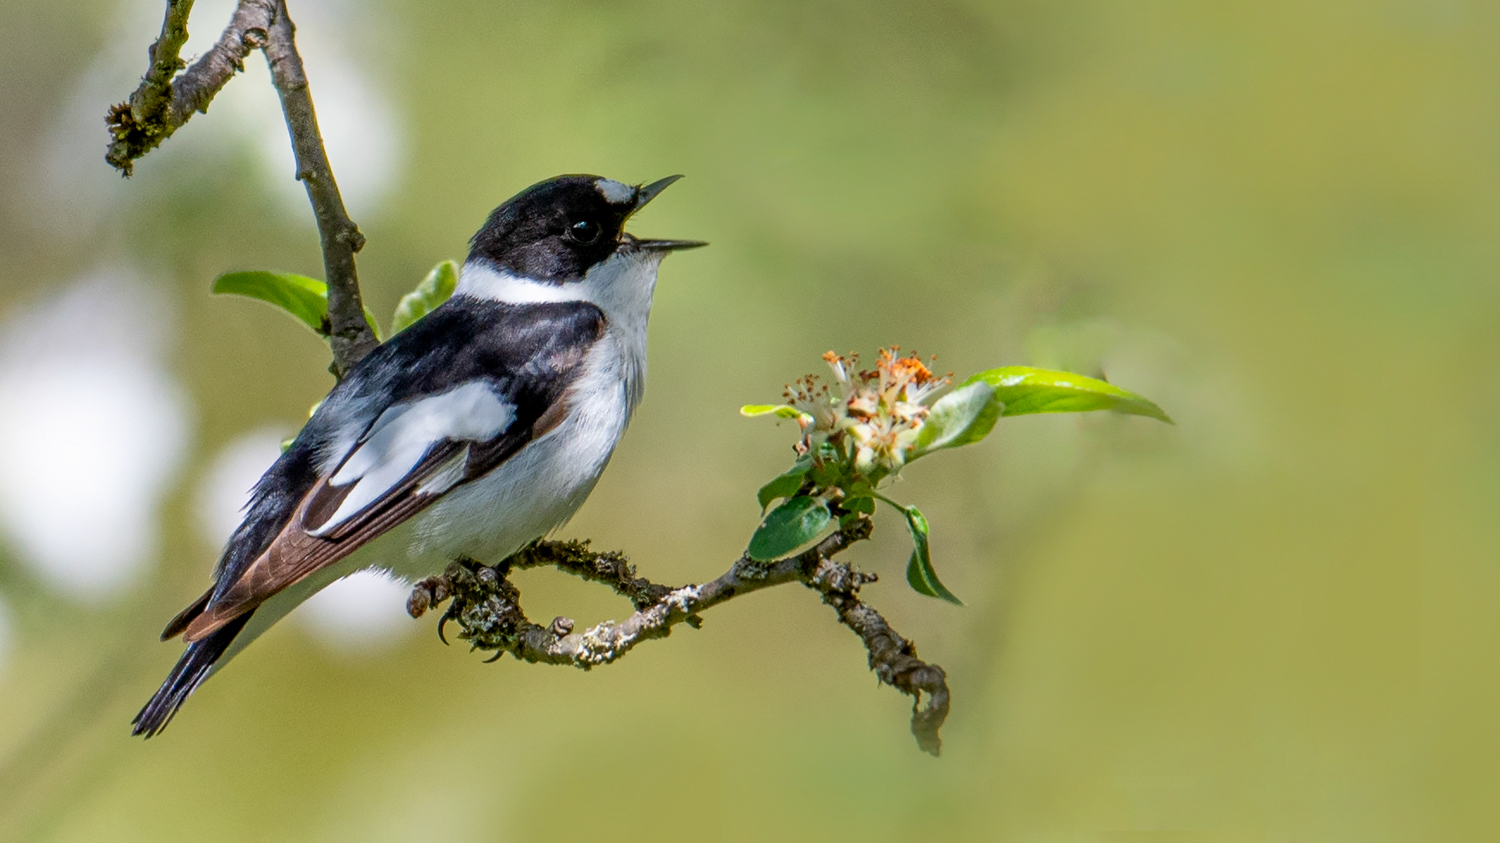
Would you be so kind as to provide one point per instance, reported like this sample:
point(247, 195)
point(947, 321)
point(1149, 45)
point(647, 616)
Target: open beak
point(668, 245)
point(645, 194)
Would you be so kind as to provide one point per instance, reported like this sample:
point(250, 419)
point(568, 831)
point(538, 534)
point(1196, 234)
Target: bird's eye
point(584, 231)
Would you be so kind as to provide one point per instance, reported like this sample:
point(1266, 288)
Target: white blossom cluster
point(875, 415)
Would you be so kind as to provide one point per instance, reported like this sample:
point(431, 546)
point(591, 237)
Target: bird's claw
point(449, 615)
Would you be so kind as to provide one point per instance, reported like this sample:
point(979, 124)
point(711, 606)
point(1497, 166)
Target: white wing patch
point(405, 433)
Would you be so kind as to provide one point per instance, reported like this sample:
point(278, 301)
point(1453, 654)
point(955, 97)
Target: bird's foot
point(483, 603)
point(428, 594)
point(431, 592)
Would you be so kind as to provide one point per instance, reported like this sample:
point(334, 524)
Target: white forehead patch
point(614, 192)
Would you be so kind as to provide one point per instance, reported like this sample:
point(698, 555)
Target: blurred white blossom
point(92, 431)
point(363, 611)
point(225, 487)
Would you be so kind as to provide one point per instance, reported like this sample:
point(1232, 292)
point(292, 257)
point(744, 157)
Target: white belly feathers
point(537, 490)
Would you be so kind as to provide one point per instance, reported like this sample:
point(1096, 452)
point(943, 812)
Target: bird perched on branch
point(479, 428)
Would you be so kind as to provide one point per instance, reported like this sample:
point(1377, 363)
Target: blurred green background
point(1276, 621)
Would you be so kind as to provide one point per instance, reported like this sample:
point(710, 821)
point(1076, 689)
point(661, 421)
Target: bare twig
point(162, 104)
point(349, 334)
point(486, 607)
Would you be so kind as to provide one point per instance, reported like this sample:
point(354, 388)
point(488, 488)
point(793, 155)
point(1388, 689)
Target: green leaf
point(304, 298)
point(433, 291)
point(919, 572)
point(854, 508)
point(788, 527)
point(860, 504)
point(965, 415)
point(784, 486)
point(781, 411)
point(827, 473)
point(1023, 389)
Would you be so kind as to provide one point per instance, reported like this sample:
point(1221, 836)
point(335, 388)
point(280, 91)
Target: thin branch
point(162, 104)
point(486, 607)
point(610, 568)
point(892, 657)
point(349, 334)
point(156, 87)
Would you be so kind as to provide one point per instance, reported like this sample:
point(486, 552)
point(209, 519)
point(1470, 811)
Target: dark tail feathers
point(190, 671)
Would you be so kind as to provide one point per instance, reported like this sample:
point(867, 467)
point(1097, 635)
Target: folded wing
point(411, 455)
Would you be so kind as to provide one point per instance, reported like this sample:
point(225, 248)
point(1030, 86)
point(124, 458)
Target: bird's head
point(558, 230)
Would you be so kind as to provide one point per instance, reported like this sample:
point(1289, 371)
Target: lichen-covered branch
point(892, 657)
point(486, 607)
point(610, 568)
point(165, 100)
point(349, 334)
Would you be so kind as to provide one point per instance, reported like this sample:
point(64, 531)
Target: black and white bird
point(479, 428)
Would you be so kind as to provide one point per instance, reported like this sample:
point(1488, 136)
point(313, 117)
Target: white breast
point(537, 490)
